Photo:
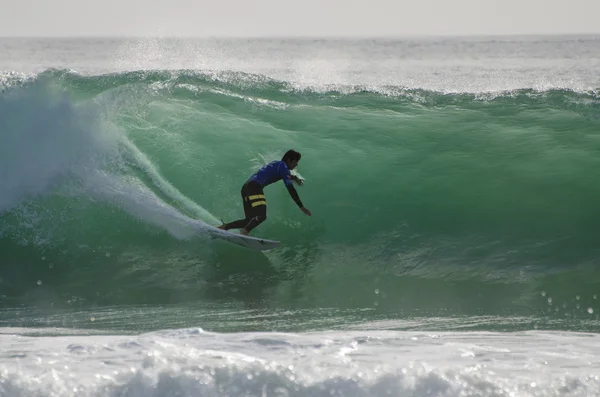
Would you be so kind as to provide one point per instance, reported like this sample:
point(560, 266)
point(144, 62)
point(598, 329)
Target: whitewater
point(452, 249)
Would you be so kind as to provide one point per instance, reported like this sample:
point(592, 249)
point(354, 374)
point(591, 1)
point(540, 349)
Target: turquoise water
point(426, 197)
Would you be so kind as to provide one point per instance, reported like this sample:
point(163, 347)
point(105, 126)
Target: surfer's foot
point(222, 227)
point(244, 232)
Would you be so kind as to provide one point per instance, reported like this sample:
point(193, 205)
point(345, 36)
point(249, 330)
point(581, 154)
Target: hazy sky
point(296, 18)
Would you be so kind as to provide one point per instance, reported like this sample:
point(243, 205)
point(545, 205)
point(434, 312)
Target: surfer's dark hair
point(291, 155)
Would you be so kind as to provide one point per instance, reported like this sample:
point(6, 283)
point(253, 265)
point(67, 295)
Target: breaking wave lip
point(240, 82)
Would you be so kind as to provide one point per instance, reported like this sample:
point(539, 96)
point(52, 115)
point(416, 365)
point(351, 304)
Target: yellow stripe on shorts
point(257, 203)
point(256, 196)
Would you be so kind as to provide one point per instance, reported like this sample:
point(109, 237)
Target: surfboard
point(254, 243)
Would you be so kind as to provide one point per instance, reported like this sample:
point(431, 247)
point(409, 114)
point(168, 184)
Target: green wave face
point(421, 200)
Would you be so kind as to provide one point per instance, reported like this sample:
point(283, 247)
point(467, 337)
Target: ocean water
point(453, 248)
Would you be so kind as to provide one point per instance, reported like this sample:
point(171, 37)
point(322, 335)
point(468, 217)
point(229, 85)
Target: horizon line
point(297, 37)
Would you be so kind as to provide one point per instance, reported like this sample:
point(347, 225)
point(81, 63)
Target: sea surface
point(453, 248)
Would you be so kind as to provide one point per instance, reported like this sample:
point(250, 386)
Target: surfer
point(253, 197)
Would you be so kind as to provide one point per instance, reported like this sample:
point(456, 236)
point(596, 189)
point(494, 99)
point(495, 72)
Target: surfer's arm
point(287, 180)
point(294, 194)
point(296, 198)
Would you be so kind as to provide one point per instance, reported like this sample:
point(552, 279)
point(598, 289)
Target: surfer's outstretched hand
point(298, 181)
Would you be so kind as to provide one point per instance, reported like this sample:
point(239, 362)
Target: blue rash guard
point(273, 172)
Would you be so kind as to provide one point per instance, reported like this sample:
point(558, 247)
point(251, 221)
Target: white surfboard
point(254, 243)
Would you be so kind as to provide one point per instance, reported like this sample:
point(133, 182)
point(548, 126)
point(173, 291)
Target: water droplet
point(376, 291)
point(39, 282)
point(577, 297)
point(543, 293)
point(579, 307)
point(595, 296)
point(108, 254)
point(590, 310)
point(533, 384)
point(92, 318)
point(549, 301)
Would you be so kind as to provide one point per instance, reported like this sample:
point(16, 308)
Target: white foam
point(43, 137)
point(50, 143)
point(131, 195)
point(191, 362)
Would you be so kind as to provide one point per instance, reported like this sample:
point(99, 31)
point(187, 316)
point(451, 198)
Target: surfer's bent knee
point(255, 221)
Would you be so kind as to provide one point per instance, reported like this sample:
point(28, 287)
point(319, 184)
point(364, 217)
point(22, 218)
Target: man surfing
point(253, 197)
